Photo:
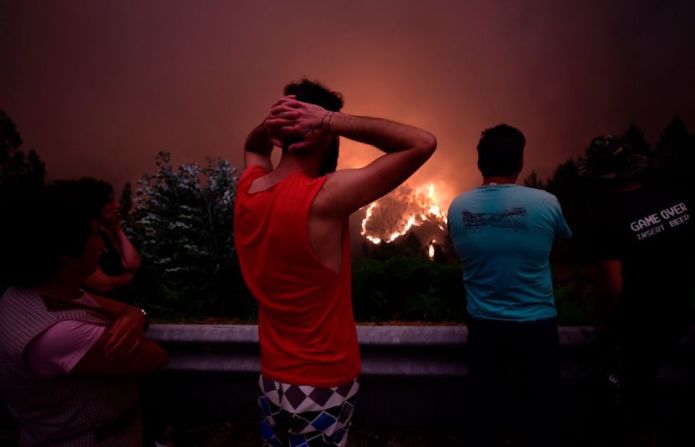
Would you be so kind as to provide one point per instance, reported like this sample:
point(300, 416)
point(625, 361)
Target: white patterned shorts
point(305, 416)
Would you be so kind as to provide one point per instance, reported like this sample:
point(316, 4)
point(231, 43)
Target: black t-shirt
point(650, 229)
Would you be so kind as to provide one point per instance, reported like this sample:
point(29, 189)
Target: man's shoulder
point(535, 196)
point(249, 174)
point(508, 190)
point(534, 192)
point(463, 198)
point(253, 169)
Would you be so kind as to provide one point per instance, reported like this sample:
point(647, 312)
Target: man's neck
point(291, 163)
point(499, 180)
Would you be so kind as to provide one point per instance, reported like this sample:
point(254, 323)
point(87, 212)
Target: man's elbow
point(133, 264)
point(427, 144)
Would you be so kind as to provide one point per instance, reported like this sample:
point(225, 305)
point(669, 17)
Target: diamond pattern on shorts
point(321, 395)
point(298, 441)
point(345, 412)
point(301, 424)
point(344, 390)
point(264, 405)
point(266, 431)
point(295, 396)
point(335, 411)
point(267, 384)
point(305, 416)
point(324, 421)
point(338, 436)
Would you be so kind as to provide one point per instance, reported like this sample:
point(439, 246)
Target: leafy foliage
point(182, 223)
point(181, 220)
point(18, 170)
point(674, 154)
point(534, 181)
point(407, 288)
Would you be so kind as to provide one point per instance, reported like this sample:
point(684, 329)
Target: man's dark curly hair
point(315, 93)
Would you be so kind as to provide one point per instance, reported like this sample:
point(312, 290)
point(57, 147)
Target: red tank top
point(305, 322)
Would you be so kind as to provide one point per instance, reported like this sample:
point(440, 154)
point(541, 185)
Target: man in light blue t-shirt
point(503, 234)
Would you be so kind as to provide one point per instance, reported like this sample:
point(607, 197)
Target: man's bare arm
point(148, 357)
point(126, 332)
point(261, 141)
point(611, 283)
point(407, 148)
point(345, 191)
point(103, 283)
point(612, 277)
point(258, 148)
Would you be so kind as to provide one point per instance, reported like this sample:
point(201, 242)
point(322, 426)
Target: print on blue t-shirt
point(503, 235)
point(514, 219)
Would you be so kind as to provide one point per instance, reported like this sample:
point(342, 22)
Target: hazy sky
point(98, 87)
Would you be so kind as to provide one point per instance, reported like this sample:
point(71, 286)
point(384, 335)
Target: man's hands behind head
point(296, 124)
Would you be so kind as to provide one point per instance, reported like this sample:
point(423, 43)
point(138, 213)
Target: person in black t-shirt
point(644, 241)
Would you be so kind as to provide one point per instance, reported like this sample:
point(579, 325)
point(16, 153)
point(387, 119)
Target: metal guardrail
point(413, 376)
point(427, 351)
point(367, 335)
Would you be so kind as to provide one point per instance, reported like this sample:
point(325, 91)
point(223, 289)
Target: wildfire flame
point(395, 214)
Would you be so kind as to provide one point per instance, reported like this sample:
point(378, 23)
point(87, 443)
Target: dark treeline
point(19, 170)
point(672, 160)
point(22, 174)
point(397, 281)
point(181, 222)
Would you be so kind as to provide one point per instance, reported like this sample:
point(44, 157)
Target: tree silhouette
point(534, 181)
point(21, 176)
point(17, 169)
point(675, 154)
point(126, 200)
point(635, 137)
point(574, 191)
point(10, 139)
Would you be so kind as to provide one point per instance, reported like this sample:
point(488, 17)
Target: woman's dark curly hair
point(43, 224)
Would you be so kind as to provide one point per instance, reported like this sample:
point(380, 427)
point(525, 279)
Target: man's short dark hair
point(315, 93)
point(40, 227)
point(501, 151)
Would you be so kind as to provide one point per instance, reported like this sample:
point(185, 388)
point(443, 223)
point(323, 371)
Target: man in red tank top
point(291, 235)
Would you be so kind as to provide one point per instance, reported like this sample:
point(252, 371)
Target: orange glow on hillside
point(394, 215)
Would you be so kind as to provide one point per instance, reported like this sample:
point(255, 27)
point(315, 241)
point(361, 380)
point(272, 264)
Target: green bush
point(407, 288)
point(182, 223)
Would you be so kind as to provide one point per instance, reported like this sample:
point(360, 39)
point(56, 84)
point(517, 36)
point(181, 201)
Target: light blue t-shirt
point(503, 235)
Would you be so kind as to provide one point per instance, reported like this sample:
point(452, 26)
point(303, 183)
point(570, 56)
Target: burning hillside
point(403, 210)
